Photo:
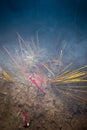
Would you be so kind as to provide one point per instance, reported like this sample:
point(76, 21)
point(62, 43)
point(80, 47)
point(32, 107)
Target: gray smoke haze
point(60, 23)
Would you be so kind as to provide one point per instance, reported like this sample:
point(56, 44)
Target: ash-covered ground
point(51, 111)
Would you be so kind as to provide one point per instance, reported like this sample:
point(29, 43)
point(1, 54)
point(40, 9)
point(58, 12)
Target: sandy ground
point(52, 111)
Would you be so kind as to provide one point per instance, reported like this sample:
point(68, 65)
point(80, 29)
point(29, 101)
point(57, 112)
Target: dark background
point(58, 22)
